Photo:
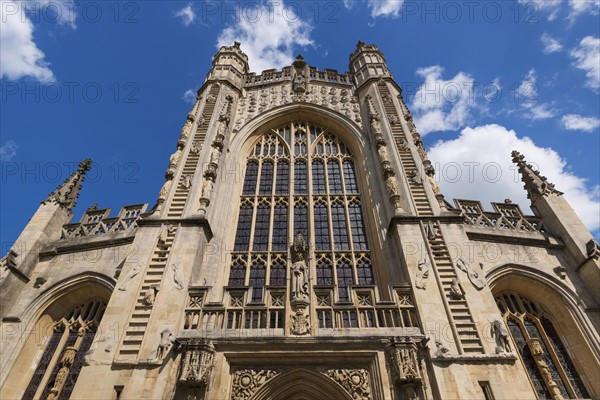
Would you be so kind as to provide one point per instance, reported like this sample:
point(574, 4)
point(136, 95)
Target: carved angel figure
point(422, 274)
point(500, 333)
point(177, 275)
point(134, 271)
point(164, 345)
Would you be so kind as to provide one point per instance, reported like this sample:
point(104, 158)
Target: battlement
point(506, 216)
point(272, 75)
point(96, 221)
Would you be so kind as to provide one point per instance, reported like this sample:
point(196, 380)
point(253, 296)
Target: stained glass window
point(300, 178)
point(528, 321)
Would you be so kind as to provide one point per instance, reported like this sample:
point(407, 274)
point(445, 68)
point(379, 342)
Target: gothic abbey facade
point(300, 248)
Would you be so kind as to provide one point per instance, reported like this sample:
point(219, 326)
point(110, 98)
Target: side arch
point(301, 384)
point(564, 309)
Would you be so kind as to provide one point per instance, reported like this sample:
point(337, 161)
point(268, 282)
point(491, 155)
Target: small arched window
point(62, 359)
point(300, 178)
point(527, 321)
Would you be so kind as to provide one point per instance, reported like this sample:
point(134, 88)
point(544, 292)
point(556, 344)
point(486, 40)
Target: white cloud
point(60, 11)
point(551, 45)
point(587, 58)
point(531, 7)
point(189, 96)
point(527, 96)
point(8, 151)
point(385, 8)
point(19, 55)
point(579, 7)
point(477, 165)
point(442, 105)
point(186, 14)
point(269, 41)
point(575, 122)
point(348, 4)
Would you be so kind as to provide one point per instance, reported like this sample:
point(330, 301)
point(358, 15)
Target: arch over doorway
point(301, 384)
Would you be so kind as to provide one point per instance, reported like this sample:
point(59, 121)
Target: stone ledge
point(475, 358)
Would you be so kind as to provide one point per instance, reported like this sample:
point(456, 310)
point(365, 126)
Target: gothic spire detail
point(67, 193)
point(535, 183)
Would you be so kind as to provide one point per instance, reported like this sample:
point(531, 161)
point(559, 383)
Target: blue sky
point(112, 81)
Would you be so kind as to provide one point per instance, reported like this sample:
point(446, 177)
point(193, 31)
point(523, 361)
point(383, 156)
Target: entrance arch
point(301, 384)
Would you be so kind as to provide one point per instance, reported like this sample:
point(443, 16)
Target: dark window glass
point(283, 178)
point(322, 241)
point(300, 183)
point(340, 229)
point(350, 177)
point(242, 236)
point(364, 272)
point(257, 281)
point(301, 219)
point(238, 274)
point(324, 273)
point(344, 279)
point(71, 339)
point(266, 178)
point(335, 177)
point(359, 236)
point(261, 228)
point(250, 179)
point(280, 227)
point(318, 177)
point(40, 370)
point(278, 270)
point(69, 384)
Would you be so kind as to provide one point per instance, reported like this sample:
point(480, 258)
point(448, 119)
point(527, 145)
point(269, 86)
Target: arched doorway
point(301, 384)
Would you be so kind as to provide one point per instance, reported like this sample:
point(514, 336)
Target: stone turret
point(559, 217)
point(229, 64)
point(44, 227)
point(367, 62)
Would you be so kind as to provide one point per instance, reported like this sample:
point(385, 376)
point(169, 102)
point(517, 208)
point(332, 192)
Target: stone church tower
point(300, 248)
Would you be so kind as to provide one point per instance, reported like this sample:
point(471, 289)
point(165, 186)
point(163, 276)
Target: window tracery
point(72, 336)
point(527, 322)
point(301, 178)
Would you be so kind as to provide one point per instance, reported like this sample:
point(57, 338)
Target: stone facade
point(417, 298)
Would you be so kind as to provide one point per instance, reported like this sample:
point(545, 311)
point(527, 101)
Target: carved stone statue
point(150, 295)
point(441, 350)
point(164, 345)
point(215, 153)
point(422, 274)
point(299, 280)
point(299, 84)
point(477, 279)
point(178, 275)
point(383, 155)
point(375, 124)
point(196, 147)
point(164, 191)
point(207, 188)
point(197, 363)
point(391, 185)
point(499, 332)
point(414, 177)
point(134, 271)
point(456, 292)
point(175, 157)
point(186, 181)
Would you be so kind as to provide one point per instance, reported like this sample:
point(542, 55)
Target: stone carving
point(300, 322)
point(430, 172)
point(187, 127)
point(431, 231)
point(197, 363)
point(207, 189)
point(175, 157)
point(186, 181)
point(215, 153)
point(39, 282)
point(441, 350)
point(178, 275)
point(150, 295)
point(354, 381)
point(422, 274)
point(61, 376)
point(560, 271)
point(414, 177)
point(391, 185)
point(456, 292)
point(164, 345)
point(299, 286)
point(499, 332)
point(538, 355)
point(247, 381)
point(165, 230)
point(196, 147)
point(476, 278)
point(592, 249)
point(134, 271)
point(535, 184)
point(404, 355)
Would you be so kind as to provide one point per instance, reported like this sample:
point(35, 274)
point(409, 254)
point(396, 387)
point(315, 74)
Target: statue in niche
point(134, 271)
point(207, 188)
point(299, 286)
point(430, 171)
point(215, 153)
point(383, 155)
point(422, 274)
point(375, 124)
point(499, 332)
point(175, 157)
point(222, 126)
point(164, 191)
point(391, 185)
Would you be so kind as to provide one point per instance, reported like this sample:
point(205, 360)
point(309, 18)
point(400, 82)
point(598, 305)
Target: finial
point(66, 194)
point(536, 184)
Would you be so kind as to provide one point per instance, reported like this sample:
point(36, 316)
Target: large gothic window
point(62, 359)
point(300, 178)
point(527, 322)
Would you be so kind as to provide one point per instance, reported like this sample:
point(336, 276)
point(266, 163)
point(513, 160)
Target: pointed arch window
point(302, 178)
point(62, 359)
point(527, 321)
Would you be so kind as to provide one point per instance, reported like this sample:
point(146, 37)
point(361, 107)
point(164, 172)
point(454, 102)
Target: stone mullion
point(53, 361)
